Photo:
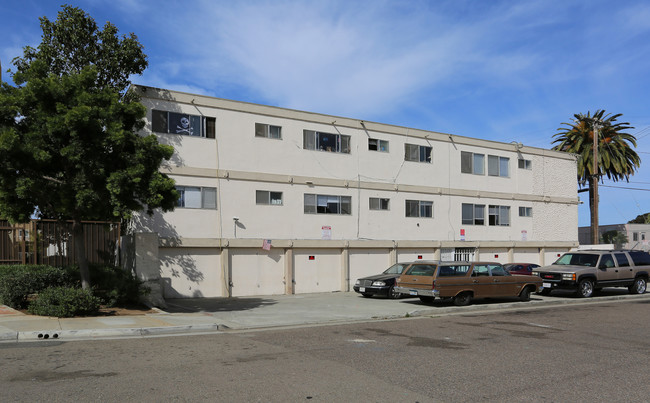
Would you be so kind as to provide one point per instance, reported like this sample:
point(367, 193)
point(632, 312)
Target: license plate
point(413, 292)
point(362, 289)
point(546, 285)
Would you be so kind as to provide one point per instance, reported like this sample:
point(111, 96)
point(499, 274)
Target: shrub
point(18, 282)
point(116, 286)
point(64, 302)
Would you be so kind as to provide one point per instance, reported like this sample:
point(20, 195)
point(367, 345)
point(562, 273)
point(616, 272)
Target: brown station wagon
point(464, 281)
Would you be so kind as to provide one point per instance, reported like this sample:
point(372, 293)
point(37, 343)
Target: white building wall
point(238, 164)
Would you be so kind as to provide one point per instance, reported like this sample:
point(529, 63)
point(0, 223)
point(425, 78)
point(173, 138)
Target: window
point(336, 143)
point(181, 123)
point(197, 197)
point(473, 214)
point(635, 236)
point(377, 145)
point(498, 166)
point(417, 153)
point(525, 211)
point(268, 197)
point(622, 260)
point(419, 208)
point(326, 204)
point(499, 216)
point(269, 131)
point(471, 163)
point(525, 164)
point(378, 204)
point(453, 271)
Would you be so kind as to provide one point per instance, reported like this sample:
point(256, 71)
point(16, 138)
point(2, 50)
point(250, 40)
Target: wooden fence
point(50, 242)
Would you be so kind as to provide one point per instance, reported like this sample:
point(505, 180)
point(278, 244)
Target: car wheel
point(639, 286)
point(366, 295)
point(585, 288)
point(545, 291)
point(427, 300)
point(525, 294)
point(392, 294)
point(463, 299)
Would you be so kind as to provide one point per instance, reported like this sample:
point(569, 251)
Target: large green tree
point(68, 131)
point(616, 157)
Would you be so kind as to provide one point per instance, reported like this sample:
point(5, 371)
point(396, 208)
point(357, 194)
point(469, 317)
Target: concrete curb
point(64, 335)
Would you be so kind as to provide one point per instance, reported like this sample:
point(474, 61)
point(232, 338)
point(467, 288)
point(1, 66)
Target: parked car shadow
point(211, 305)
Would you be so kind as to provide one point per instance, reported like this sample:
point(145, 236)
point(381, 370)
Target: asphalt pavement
point(210, 315)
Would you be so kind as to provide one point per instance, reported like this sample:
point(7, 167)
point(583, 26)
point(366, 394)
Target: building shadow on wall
point(180, 265)
point(212, 305)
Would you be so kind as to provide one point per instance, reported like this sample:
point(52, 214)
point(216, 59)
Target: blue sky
point(497, 70)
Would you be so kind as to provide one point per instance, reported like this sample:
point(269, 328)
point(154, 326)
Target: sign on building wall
point(326, 232)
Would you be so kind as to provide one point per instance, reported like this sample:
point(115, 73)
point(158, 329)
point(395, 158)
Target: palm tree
point(616, 158)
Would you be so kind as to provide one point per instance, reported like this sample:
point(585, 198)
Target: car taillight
point(433, 285)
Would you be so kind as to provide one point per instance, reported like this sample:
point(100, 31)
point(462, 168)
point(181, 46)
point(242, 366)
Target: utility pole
point(594, 201)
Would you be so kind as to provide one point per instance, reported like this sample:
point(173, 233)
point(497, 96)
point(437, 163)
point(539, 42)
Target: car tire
point(524, 295)
point(545, 291)
point(463, 299)
point(585, 288)
point(392, 294)
point(366, 295)
point(639, 286)
point(427, 300)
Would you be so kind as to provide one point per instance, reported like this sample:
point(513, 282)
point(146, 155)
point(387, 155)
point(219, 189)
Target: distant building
point(279, 201)
point(637, 235)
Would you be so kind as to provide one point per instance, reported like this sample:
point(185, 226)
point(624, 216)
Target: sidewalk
point(210, 315)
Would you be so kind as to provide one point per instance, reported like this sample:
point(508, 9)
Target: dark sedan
point(520, 268)
point(381, 284)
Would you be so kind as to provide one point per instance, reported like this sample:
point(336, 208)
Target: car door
point(481, 281)
point(607, 270)
point(503, 284)
point(625, 270)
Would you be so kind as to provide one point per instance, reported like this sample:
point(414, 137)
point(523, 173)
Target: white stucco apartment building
point(338, 198)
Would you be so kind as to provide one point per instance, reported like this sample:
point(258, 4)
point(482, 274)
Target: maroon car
point(520, 268)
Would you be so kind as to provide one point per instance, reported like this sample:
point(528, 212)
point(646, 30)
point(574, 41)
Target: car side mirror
point(602, 267)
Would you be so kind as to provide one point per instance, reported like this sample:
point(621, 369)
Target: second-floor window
point(327, 204)
point(472, 163)
point(473, 214)
point(498, 166)
point(197, 197)
point(336, 143)
point(268, 197)
point(414, 152)
point(378, 204)
point(524, 164)
point(378, 145)
point(419, 208)
point(525, 211)
point(268, 131)
point(499, 215)
point(182, 123)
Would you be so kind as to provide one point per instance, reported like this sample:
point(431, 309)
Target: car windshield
point(578, 259)
point(397, 268)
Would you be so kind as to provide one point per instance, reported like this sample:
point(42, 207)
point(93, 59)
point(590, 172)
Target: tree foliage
point(68, 130)
point(615, 237)
point(616, 158)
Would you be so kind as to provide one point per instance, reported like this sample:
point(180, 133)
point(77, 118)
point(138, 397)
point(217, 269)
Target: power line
point(625, 187)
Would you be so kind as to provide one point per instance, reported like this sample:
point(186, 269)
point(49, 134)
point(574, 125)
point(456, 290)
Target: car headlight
point(534, 273)
point(378, 283)
point(357, 283)
point(569, 276)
